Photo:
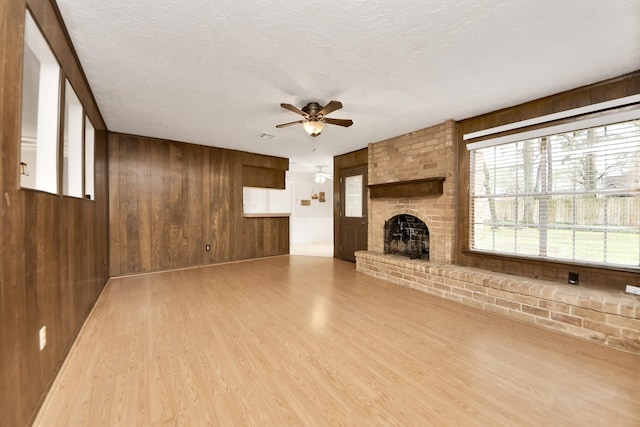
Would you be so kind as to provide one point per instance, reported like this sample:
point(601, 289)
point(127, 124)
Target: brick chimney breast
point(423, 154)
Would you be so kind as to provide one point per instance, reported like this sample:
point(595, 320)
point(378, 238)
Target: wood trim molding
point(266, 215)
point(408, 189)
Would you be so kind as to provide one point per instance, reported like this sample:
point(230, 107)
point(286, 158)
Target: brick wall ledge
point(607, 317)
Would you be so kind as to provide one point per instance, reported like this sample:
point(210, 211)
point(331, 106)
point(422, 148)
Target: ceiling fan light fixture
point(319, 179)
point(315, 117)
point(313, 127)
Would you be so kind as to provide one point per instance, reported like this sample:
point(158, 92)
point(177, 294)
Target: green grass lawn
point(615, 248)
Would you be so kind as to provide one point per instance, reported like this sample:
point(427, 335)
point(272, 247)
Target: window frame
point(593, 95)
point(517, 136)
point(89, 158)
point(56, 171)
point(71, 182)
point(501, 203)
point(47, 177)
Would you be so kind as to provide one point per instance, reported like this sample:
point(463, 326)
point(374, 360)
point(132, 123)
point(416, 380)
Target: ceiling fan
point(321, 177)
point(315, 117)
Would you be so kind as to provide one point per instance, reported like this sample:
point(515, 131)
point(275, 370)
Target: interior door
point(353, 212)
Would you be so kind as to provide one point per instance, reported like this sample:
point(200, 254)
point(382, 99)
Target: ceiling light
point(319, 179)
point(313, 127)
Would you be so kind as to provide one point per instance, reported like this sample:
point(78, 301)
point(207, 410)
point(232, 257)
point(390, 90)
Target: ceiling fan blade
point(284, 125)
point(294, 109)
point(331, 106)
point(340, 122)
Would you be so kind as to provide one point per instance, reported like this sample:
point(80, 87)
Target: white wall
point(310, 223)
point(28, 156)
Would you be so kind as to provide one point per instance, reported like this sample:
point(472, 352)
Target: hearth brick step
point(606, 317)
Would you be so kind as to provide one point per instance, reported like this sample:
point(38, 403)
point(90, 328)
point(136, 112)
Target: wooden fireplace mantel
point(407, 189)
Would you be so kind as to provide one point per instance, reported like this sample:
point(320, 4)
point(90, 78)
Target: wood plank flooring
point(297, 340)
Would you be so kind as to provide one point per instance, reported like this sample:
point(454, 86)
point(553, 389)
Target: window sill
point(538, 260)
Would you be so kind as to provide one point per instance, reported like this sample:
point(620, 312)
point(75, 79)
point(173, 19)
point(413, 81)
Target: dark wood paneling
point(341, 162)
point(168, 200)
point(253, 176)
point(53, 247)
point(626, 85)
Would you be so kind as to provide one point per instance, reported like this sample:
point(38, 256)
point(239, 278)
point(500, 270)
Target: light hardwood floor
point(308, 341)
point(323, 249)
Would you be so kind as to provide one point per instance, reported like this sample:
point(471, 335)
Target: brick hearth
point(605, 317)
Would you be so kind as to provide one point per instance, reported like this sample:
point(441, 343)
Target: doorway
point(353, 212)
point(311, 220)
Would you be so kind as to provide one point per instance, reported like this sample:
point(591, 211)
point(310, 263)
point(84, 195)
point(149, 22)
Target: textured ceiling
point(215, 72)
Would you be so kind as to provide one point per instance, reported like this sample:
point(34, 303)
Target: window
point(40, 115)
point(353, 196)
point(89, 159)
point(564, 194)
point(72, 144)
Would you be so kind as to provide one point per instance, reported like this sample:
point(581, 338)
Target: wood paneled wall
point(54, 249)
point(341, 162)
point(253, 176)
point(169, 199)
point(609, 278)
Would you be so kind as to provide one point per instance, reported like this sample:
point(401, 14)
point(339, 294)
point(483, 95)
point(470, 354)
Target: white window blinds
point(573, 196)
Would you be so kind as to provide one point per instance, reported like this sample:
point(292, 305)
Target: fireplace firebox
point(406, 235)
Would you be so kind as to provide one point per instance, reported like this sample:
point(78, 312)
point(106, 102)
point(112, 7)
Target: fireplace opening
point(406, 235)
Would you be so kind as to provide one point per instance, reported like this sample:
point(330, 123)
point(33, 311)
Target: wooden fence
point(612, 211)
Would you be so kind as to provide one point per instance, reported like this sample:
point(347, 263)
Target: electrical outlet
point(633, 289)
point(207, 248)
point(43, 337)
point(573, 278)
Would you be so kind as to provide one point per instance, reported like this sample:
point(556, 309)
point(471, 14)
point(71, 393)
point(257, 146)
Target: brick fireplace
point(423, 160)
point(415, 175)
